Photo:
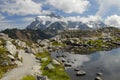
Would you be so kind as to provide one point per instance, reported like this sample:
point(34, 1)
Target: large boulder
point(10, 47)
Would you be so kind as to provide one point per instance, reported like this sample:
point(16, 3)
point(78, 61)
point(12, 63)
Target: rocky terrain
point(27, 34)
point(21, 60)
point(30, 56)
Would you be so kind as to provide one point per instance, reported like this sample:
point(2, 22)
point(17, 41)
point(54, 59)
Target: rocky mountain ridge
point(54, 22)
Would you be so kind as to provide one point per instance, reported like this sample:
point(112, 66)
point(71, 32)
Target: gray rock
point(77, 69)
point(81, 73)
point(68, 64)
point(98, 78)
point(38, 77)
point(99, 74)
point(55, 62)
point(63, 59)
point(44, 59)
point(11, 57)
point(5, 63)
point(50, 66)
point(19, 63)
point(10, 47)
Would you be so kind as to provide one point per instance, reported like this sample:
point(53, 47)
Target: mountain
point(55, 22)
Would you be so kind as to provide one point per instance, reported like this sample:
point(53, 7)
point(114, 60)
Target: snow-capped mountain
point(54, 22)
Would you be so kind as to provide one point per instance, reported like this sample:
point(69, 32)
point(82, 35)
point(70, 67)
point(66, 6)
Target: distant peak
point(53, 15)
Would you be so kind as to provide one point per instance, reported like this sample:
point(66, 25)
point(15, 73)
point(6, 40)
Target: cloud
point(21, 7)
point(70, 6)
point(6, 25)
point(105, 6)
point(2, 17)
point(113, 20)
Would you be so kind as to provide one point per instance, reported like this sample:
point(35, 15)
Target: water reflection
point(107, 62)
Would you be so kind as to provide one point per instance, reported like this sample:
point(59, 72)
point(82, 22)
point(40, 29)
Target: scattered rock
point(55, 62)
point(99, 74)
point(50, 66)
point(63, 59)
point(38, 58)
point(36, 70)
point(19, 63)
point(11, 57)
point(68, 64)
point(5, 63)
point(81, 73)
point(38, 77)
point(11, 48)
point(77, 69)
point(44, 59)
point(98, 78)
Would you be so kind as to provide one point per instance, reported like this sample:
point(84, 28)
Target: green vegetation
point(6, 68)
point(4, 59)
point(56, 43)
point(58, 73)
point(28, 77)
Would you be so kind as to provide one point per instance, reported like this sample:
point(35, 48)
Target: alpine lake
point(101, 65)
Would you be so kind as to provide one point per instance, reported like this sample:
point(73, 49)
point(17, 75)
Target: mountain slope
point(54, 22)
point(27, 34)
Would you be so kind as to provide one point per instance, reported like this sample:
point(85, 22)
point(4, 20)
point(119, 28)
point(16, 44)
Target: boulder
point(68, 64)
point(81, 73)
point(98, 78)
point(55, 62)
point(63, 59)
point(5, 63)
point(36, 70)
point(19, 63)
point(39, 77)
point(99, 74)
point(44, 59)
point(11, 57)
point(20, 43)
point(50, 66)
point(10, 47)
point(19, 56)
point(77, 69)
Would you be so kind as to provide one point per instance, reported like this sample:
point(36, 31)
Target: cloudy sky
point(20, 13)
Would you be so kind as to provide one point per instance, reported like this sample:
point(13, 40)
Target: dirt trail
point(28, 62)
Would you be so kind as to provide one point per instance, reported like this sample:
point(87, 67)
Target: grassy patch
point(54, 74)
point(55, 43)
point(5, 61)
point(4, 69)
point(28, 77)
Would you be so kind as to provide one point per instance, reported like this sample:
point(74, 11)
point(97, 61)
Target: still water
point(106, 62)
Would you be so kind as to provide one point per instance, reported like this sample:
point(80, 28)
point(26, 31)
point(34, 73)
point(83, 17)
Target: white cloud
point(105, 6)
point(21, 7)
point(113, 20)
point(6, 25)
point(2, 17)
point(91, 18)
point(70, 6)
point(74, 18)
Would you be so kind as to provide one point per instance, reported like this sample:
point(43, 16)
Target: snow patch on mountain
point(48, 21)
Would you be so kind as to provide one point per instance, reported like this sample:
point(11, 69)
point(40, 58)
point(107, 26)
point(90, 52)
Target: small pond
point(105, 62)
